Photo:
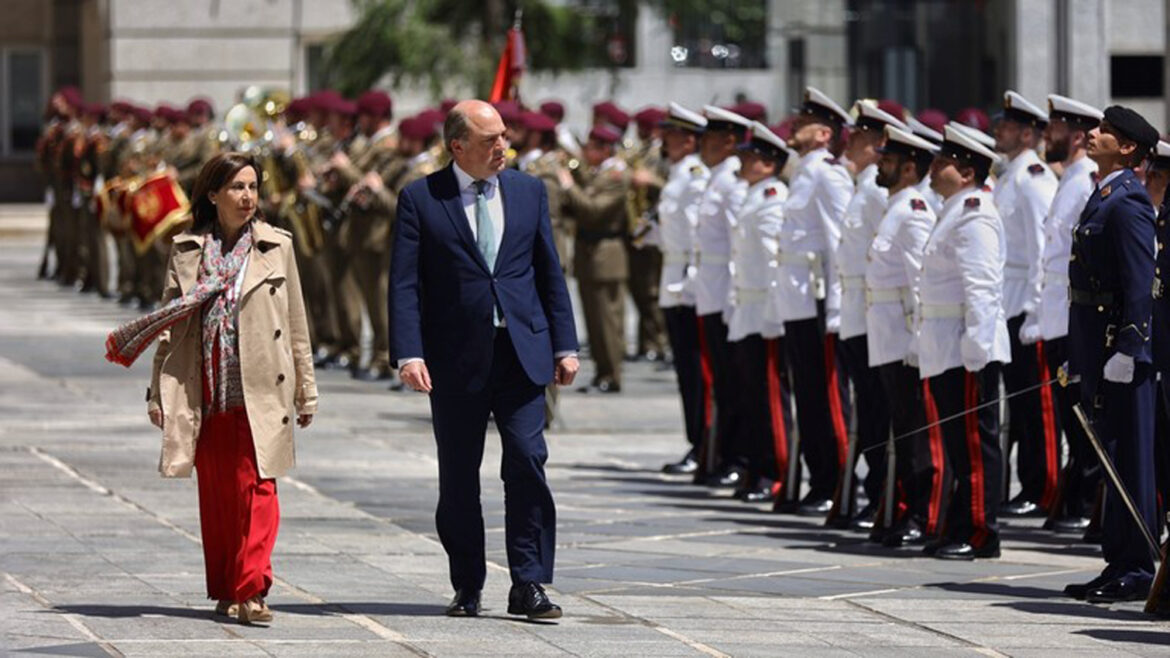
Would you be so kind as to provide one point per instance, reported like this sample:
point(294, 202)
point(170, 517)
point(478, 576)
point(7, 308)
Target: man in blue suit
point(1111, 280)
point(480, 320)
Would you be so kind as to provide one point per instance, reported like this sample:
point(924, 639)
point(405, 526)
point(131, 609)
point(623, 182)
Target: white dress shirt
point(494, 204)
point(1076, 186)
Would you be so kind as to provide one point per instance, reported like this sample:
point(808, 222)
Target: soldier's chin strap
point(1061, 378)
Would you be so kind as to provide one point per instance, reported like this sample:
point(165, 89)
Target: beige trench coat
point(276, 362)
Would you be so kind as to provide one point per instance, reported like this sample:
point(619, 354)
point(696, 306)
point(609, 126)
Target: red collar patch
point(769, 191)
point(917, 204)
point(972, 202)
point(1036, 169)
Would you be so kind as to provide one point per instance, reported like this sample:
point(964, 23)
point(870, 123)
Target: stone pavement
point(99, 556)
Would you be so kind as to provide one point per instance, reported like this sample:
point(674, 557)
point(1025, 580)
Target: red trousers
point(238, 511)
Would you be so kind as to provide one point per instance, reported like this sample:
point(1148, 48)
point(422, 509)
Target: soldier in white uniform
point(1023, 195)
point(934, 137)
point(858, 229)
point(892, 269)
point(808, 295)
point(962, 340)
point(711, 257)
point(756, 343)
point(678, 215)
point(1066, 140)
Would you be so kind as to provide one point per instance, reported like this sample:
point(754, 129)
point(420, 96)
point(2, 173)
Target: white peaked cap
point(896, 135)
point(867, 109)
point(727, 116)
point(975, 134)
point(1058, 104)
point(955, 135)
point(1013, 101)
point(681, 114)
point(765, 134)
point(814, 96)
point(923, 130)
point(1162, 150)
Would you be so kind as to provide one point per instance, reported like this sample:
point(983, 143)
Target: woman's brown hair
point(215, 175)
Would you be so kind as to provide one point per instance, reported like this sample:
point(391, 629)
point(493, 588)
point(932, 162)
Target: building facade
point(946, 54)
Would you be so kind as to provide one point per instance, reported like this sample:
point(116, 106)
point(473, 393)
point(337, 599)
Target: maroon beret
point(612, 114)
point(537, 122)
point(510, 111)
point(751, 110)
point(200, 106)
point(934, 119)
point(649, 117)
point(325, 100)
point(605, 134)
point(125, 107)
point(974, 117)
point(892, 108)
point(144, 114)
point(446, 104)
point(375, 102)
point(416, 127)
point(72, 96)
point(553, 109)
point(96, 110)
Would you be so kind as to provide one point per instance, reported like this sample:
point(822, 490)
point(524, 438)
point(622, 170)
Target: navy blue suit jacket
point(442, 292)
point(1161, 331)
point(1113, 256)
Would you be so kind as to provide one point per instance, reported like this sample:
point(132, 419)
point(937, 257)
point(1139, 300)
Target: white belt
point(807, 258)
point(713, 259)
point(884, 295)
point(676, 258)
point(852, 282)
point(1056, 278)
point(930, 311)
point(751, 294)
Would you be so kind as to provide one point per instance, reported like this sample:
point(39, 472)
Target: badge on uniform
point(971, 203)
point(696, 170)
point(1106, 191)
point(769, 192)
point(917, 204)
point(1036, 169)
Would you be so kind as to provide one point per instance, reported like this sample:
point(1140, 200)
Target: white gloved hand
point(1030, 330)
point(1119, 369)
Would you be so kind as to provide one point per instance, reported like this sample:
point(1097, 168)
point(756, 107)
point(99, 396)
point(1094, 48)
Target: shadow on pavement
point(371, 608)
point(1079, 609)
point(1120, 635)
point(123, 611)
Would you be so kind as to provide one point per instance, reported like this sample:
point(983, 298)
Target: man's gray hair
point(455, 126)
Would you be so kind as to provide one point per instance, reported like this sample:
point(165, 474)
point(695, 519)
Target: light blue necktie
point(485, 235)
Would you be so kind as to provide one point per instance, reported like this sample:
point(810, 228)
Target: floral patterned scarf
point(214, 294)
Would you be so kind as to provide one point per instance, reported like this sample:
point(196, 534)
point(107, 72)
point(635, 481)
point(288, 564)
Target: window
point(1136, 76)
point(720, 34)
point(23, 100)
point(315, 73)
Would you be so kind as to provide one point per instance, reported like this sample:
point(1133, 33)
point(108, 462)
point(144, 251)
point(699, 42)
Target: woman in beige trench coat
point(233, 369)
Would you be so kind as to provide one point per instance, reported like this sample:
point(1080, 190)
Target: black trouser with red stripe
point(765, 412)
point(1082, 474)
point(1033, 426)
point(821, 402)
point(726, 381)
point(921, 458)
point(873, 413)
point(682, 327)
point(972, 443)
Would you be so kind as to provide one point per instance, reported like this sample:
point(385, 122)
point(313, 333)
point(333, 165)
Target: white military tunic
point(862, 216)
point(1023, 196)
point(818, 194)
point(720, 202)
point(892, 273)
point(754, 245)
point(1076, 186)
point(961, 289)
point(678, 216)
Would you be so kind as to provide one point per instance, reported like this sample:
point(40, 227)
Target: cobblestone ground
point(99, 556)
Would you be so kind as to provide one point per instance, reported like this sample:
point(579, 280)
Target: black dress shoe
point(685, 466)
point(373, 374)
point(1070, 525)
point(1079, 591)
point(815, 507)
point(865, 519)
point(726, 479)
point(1092, 535)
point(608, 386)
point(906, 534)
point(1020, 506)
point(465, 603)
point(965, 551)
point(530, 600)
point(930, 548)
point(1126, 588)
point(126, 300)
point(761, 493)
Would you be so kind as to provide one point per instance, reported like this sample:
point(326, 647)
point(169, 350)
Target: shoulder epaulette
point(972, 203)
point(285, 232)
point(1036, 169)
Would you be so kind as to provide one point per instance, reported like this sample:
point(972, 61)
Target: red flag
point(512, 64)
